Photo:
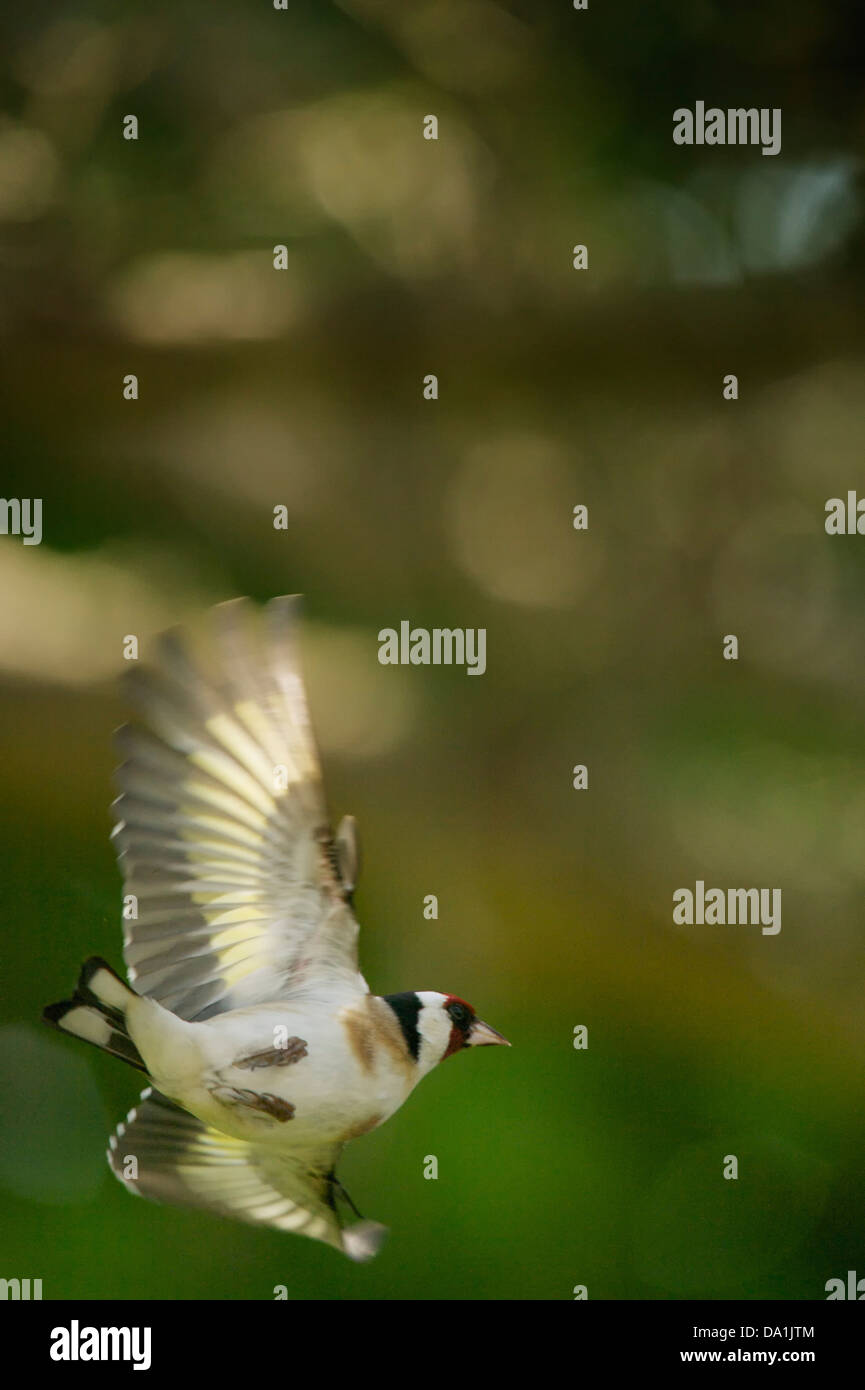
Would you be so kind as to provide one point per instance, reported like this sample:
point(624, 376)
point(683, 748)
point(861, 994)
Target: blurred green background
point(303, 387)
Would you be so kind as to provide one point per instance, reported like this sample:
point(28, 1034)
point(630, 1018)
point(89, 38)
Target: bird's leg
point(235, 1096)
point(336, 1189)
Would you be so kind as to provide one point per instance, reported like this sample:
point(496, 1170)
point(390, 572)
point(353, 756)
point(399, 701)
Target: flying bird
point(264, 1050)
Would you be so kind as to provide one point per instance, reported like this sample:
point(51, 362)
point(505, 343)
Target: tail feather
point(96, 1013)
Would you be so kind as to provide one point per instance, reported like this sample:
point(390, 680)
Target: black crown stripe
point(407, 1008)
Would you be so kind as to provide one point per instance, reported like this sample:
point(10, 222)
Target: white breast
point(336, 1095)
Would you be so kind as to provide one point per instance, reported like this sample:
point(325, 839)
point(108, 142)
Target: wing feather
point(222, 831)
point(179, 1160)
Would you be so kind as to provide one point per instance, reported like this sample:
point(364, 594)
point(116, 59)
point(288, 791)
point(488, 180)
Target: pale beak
point(482, 1035)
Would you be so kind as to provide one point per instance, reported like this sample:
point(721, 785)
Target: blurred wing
point(166, 1154)
point(222, 833)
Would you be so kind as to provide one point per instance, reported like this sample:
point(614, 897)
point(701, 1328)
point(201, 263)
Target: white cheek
point(434, 1027)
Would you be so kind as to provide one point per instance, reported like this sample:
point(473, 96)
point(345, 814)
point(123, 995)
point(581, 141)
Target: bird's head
point(436, 1025)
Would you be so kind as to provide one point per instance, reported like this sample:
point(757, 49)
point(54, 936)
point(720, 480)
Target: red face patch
point(455, 999)
point(462, 1016)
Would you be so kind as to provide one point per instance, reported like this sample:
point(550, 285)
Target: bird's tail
point(97, 1012)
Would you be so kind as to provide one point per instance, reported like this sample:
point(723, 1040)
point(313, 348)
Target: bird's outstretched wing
point(233, 890)
point(164, 1153)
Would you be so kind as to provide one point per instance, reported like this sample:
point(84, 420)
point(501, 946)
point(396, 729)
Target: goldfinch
point(264, 1049)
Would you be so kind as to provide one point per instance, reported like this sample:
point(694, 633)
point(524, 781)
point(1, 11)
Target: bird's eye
point(459, 1014)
